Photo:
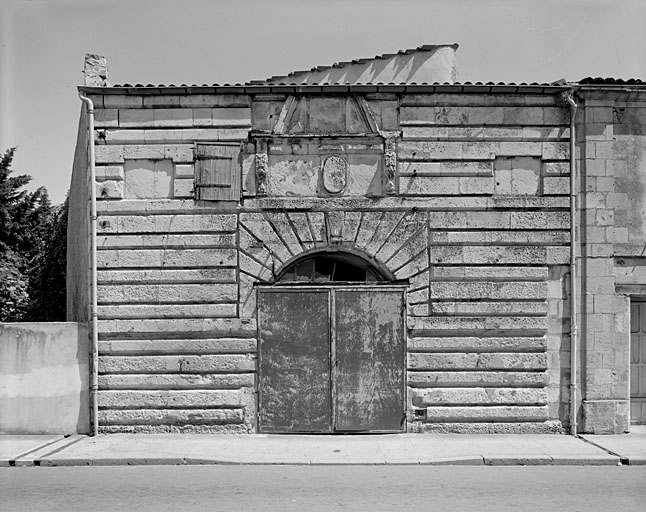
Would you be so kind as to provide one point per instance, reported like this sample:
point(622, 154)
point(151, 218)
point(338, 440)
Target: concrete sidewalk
point(445, 449)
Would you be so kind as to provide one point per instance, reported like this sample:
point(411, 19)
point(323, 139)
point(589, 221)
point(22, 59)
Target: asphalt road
point(323, 488)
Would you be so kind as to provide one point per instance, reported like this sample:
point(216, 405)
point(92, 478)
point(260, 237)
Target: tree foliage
point(32, 250)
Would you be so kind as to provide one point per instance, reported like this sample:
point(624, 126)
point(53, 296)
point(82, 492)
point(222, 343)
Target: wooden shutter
point(217, 172)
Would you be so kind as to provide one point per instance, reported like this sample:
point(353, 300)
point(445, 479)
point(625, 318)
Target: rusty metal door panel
point(369, 360)
point(294, 361)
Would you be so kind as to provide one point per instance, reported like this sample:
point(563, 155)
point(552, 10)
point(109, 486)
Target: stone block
point(477, 396)
point(147, 179)
point(417, 115)
point(173, 117)
point(109, 172)
point(519, 149)
point(173, 399)
point(167, 311)
point(489, 290)
point(109, 189)
point(478, 344)
point(558, 168)
point(555, 150)
point(476, 185)
point(477, 361)
point(106, 118)
point(183, 188)
point(231, 117)
point(157, 258)
point(109, 154)
point(152, 276)
point(605, 417)
point(167, 293)
point(515, 182)
point(184, 171)
point(523, 115)
point(176, 381)
point(490, 272)
point(415, 150)
point(486, 115)
point(428, 185)
point(162, 101)
point(136, 118)
point(471, 414)
point(556, 186)
point(440, 379)
point(181, 327)
point(122, 101)
point(172, 418)
point(279, 221)
point(180, 223)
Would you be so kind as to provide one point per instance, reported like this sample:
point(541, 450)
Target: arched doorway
point(331, 347)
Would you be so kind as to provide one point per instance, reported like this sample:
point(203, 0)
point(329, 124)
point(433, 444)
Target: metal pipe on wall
point(574, 334)
point(94, 387)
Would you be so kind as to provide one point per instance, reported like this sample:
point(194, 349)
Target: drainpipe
point(94, 389)
point(566, 100)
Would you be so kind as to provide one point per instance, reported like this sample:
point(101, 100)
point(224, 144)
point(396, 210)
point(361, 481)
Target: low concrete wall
point(44, 378)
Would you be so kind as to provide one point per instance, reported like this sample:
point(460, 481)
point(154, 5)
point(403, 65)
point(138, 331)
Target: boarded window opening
point(217, 172)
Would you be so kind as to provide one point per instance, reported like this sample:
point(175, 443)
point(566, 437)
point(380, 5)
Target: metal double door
point(331, 359)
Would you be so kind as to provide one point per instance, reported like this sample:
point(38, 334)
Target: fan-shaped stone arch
point(395, 242)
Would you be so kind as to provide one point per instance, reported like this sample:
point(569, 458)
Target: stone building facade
point(367, 247)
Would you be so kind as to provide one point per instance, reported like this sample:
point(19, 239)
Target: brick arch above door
point(396, 242)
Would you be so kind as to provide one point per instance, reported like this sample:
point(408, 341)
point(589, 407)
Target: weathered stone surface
point(480, 307)
point(491, 272)
point(464, 168)
point(473, 427)
point(492, 325)
point(477, 361)
point(556, 186)
point(414, 150)
point(178, 346)
point(280, 223)
point(476, 378)
point(174, 399)
point(153, 241)
point(189, 293)
point(489, 255)
point(168, 310)
point(109, 172)
point(161, 276)
point(150, 417)
point(489, 290)
point(106, 118)
point(178, 328)
point(370, 222)
point(516, 182)
point(227, 363)
point(487, 413)
point(477, 396)
point(414, 250)
point(194, 223)
point(389, 221)
point(257, 225)
point(177, 381)
point(183, 188)
point(167, 258)
point(148, 179)
point(226, 429)
point(411, 231)
point(109, 189)
point(478, 344)
point(553, 237)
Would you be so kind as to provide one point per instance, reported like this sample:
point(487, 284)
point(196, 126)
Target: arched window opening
point(331, 267)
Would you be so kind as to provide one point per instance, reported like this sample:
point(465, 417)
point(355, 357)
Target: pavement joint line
point(61, 448)
point(13, 460)
point(624, 461)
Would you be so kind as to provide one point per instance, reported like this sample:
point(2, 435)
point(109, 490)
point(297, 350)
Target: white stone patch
point(146, 179)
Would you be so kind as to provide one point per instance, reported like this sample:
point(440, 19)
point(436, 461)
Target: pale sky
point(43, 43)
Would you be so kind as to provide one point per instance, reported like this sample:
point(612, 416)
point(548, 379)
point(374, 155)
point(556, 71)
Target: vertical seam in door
point(333, 367)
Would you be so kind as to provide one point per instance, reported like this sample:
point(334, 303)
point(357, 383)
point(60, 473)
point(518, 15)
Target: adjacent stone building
point(366, 247)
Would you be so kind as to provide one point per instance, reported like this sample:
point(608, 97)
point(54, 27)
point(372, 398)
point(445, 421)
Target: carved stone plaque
point(335, 174)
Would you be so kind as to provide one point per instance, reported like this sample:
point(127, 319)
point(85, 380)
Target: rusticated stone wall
point(476, 218)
